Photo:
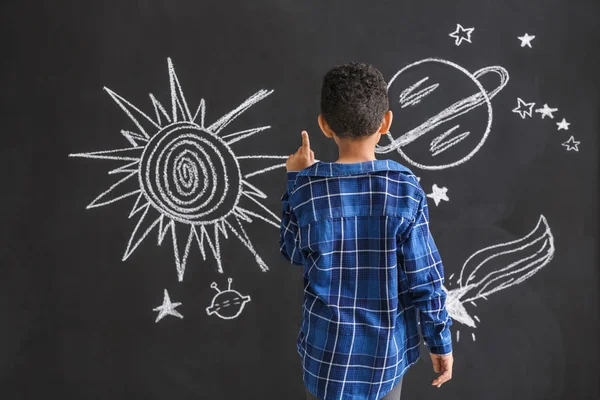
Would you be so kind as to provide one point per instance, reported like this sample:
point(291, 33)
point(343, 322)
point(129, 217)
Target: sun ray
point(237, 136)
point(202, 111)
point(239, 214)
point(226, 119)
point(117, 154)
point(258, 203)
point(133, 137)
point(263, 170)
point(181, 259)
point(163, 228)
point(253, 190)
point(116, 192)
point(142, 229)
point(131, 167)
point(177, 99)
point(200, 242)
point(243, 237)
point(144, 123)
point(159, 107)
point(215, 248)
point(248, 212)
point(270, 157)
point(140, 203)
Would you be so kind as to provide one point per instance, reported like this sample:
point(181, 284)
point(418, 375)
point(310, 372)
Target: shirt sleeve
point(289, 231)
point(420, 260)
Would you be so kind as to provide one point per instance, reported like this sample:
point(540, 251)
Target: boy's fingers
point(305, 140)
point(443, 378)
point(437, 367)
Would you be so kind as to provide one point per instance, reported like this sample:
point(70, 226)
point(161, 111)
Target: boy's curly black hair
point(354, 99)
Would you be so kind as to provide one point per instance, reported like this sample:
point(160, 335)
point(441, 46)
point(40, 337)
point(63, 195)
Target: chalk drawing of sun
point(186, 177)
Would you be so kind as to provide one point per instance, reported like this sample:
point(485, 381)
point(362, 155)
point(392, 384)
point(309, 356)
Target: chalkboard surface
point(140, 253)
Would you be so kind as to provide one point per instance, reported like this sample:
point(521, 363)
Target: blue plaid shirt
point(371, 268)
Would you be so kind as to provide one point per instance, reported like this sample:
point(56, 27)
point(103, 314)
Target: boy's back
point(361, 232)
point(360, 228)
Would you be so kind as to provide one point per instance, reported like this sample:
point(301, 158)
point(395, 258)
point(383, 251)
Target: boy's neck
point(356, 150)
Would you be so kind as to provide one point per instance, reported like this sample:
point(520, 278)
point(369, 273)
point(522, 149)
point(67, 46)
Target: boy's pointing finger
point(305, 140)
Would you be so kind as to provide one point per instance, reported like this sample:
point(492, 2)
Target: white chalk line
point(253, 190)
point(112, 154)
point(271, 157)
point(131, 167)
point(159, 107)
point(248, 212)
point(129, 109)
point(201, 110)
point(133, 137)
point(225, 120)
point(111, 195)
point(269, 212)
point(262, 171)
point(237, 136)
point(438, 146)
point(407, 98)
point(177, 97)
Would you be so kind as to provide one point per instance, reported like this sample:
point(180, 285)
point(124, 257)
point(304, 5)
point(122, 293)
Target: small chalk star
point(571, 144)
point(546, 111)
point(438, 194)
point(167, 308)
point(563, 125)
point(523, 109)
point(461, 34)
point(526, 40)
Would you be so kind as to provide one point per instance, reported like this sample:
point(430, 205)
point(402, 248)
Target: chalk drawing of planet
point(443, 111)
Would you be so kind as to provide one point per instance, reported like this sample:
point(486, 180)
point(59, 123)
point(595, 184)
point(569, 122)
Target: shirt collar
point(322, 168)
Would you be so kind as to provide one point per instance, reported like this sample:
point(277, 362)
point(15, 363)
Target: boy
point(360, 228)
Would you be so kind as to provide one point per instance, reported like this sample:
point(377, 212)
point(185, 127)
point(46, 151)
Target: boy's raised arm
point(288, 231)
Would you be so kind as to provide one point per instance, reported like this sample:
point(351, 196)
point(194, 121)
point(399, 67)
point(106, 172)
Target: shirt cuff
point(291, 176)
point(443, 346)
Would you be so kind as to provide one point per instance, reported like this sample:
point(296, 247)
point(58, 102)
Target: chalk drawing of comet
point(498, 267)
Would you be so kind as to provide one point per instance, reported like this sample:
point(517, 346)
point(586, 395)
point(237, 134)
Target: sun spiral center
point(190, 174)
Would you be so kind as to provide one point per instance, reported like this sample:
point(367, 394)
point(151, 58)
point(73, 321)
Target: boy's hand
point(303, 158)
point(443, 366)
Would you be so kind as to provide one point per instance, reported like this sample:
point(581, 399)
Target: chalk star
point(438, 194)
point(546, 111)
point(167, 308)
point(526, 40)
point(521, 108)
point(563, 125)
point(571, 144)
point(461, 34)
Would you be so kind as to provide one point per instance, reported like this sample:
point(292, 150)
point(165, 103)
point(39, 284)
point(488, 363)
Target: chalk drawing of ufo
point(427, 98)
point(227, 304)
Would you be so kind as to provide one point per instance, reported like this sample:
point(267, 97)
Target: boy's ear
point(387, 122)
point(325, 127)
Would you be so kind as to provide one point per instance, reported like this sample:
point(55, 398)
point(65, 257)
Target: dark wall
point(517, 227)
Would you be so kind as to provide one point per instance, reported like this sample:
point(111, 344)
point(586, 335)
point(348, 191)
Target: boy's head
point(354, 102)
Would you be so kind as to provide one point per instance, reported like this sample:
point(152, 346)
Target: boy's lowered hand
point(303, 158)
point(443, 366)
